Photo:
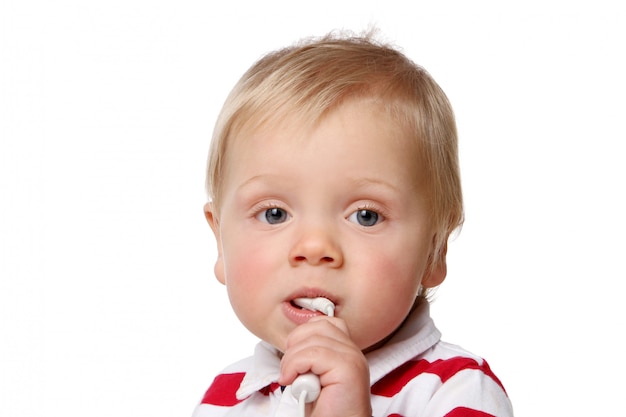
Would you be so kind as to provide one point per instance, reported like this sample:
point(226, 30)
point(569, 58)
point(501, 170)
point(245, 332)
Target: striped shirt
point(414, 374)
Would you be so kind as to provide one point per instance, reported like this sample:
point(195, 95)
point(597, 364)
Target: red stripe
point(393, 382)
point(467, 412)
point(223, 389)
point(269, 389)
point(458, 412)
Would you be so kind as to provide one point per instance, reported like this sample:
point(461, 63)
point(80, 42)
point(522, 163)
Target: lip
point(298, 315)
point(301, 315)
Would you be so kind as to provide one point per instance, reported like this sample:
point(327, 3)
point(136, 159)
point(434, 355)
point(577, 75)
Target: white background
point(108, 305)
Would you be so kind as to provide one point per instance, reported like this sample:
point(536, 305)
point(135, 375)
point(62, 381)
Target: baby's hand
point(323, 346)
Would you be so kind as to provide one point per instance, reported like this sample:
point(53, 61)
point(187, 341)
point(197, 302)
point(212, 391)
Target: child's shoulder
point(448, 361)
point(444, 361)
point(445, 377)
point(443, 351)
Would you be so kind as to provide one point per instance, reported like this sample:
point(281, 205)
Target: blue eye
point(365, 217)
point(273, 215)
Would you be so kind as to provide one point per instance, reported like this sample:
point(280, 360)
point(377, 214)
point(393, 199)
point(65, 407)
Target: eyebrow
point(357, 183)
point(260, 182)
point(374, 181)
point(257, 178)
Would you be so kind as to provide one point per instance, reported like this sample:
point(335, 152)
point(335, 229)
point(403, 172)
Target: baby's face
point(337, 212)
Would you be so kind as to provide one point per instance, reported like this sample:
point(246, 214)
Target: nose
point(316, 247)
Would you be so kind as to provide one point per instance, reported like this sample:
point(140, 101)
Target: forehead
point(390, 117)
point(357, 132)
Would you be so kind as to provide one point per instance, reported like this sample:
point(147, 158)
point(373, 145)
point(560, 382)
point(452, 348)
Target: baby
point(333, 175)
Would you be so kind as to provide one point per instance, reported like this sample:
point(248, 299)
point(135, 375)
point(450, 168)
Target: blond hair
point(313, 77)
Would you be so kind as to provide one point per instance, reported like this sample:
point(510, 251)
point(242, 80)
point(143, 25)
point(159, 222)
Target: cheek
point(389, 282)
point(242, 272)
point(247, 270)
point(395, 285)
point(395, 269)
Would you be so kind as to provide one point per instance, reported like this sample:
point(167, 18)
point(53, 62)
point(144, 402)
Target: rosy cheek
point(396, 281)
point(246, 271)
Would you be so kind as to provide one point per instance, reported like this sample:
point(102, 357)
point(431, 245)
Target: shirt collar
point(265, 370)
point(416, 335)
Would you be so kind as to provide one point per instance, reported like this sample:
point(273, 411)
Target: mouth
point(321, 304)
point(309, 294)
point(299, 311)
point(296, 306)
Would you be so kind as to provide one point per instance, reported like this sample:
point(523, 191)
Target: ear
point(211, 218)
point(437, 268)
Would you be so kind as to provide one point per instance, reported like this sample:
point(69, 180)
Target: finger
point(329, 327)
point(335, 321)
point(318, 353)
point(329, 361)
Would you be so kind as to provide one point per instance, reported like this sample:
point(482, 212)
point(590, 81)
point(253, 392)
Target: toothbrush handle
point(308, 382)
